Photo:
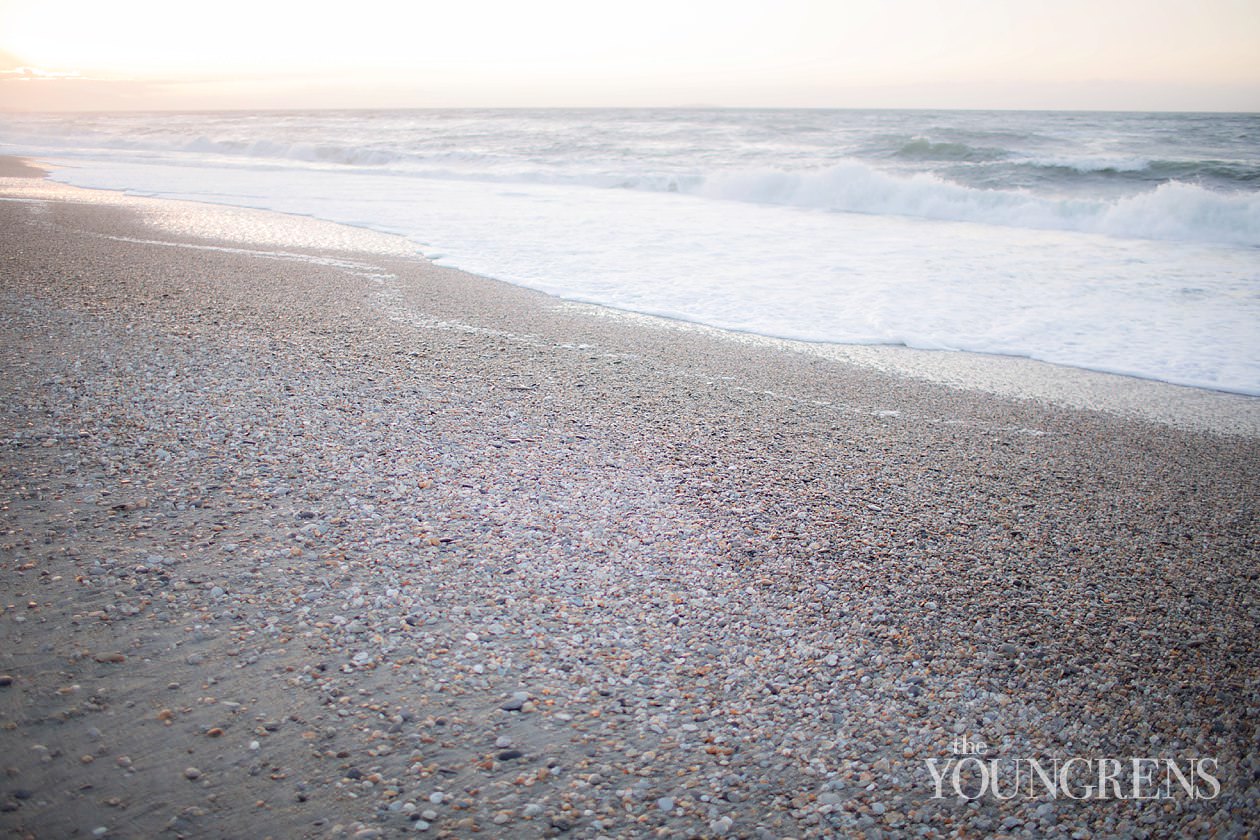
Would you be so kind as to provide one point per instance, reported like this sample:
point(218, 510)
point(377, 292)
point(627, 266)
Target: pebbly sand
point(305, 537)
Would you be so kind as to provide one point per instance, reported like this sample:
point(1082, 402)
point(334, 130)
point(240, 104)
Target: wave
point(306, 152)
point(1226, 173)
point(1213, 201)
point(1176, 209)
point(1173, 210)
point(923, 149)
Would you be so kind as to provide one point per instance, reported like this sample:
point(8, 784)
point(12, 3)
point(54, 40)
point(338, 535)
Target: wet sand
point(305, 537)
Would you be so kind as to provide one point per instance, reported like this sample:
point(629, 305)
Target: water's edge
point(1184, 407)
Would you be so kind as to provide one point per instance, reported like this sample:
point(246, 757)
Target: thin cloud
point(38, 74)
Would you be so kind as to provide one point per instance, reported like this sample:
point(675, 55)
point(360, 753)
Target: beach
point(307, 537)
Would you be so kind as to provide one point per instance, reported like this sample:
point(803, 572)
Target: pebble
point(516, 702)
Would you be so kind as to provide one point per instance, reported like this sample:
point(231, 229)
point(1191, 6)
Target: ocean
point(1119, 242)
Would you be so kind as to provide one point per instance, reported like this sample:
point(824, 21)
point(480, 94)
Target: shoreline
point(1186, 407)
point(310, 541)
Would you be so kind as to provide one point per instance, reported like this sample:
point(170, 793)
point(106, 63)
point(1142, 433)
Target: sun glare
point(554, 51)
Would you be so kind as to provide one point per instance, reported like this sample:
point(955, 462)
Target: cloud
point(38, 74)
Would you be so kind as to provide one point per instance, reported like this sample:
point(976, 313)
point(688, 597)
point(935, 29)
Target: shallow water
point(1114, 242)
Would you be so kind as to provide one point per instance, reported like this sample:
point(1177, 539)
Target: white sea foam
point(1172, 211)
point(797, 230)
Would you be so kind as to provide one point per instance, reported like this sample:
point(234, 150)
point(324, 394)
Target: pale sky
point(1113, 54)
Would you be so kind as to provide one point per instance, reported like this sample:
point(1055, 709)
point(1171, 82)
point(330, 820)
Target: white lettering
point(1050, 783)
point(1207, 777)
point(1105, 777)
point(1064, 774)
point(957, 777)
point(938, 776)
point(995, 774)
point(1173, 770)
point(1143, 774)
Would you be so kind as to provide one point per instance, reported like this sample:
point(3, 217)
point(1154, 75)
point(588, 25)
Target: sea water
point(1121, 242)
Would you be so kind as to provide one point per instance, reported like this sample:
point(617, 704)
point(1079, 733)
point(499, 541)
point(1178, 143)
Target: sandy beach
point(306, 537)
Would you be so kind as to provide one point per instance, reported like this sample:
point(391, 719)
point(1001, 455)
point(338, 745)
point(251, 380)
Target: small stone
point(437, 797)
point(878, 808)
point(5, 680)
point(214, 732)
point(112, 658)
point(509, 755)
point(516, 702)
point(531, 810)
point(192, 773)
point(665, 803)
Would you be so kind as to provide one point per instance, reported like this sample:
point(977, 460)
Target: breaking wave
point(1174, 210)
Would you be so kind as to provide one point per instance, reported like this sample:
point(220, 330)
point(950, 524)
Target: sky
point(1062, 54)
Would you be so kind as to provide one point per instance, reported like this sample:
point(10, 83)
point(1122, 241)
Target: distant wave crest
point(921, 148)
point(1222, 172)
point(1173, 210)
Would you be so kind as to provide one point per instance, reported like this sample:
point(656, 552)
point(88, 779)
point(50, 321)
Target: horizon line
point(688, 107)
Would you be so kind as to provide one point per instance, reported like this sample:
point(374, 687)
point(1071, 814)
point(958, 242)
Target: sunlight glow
point(505, 52)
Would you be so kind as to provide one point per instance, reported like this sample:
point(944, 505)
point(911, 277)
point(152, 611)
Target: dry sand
point(305, 541)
